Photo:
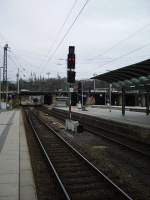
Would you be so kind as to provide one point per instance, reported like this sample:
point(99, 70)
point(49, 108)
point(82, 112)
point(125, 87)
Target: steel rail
point(118, 142)
point(109, 138)
point(49, 161)
point(87, 161)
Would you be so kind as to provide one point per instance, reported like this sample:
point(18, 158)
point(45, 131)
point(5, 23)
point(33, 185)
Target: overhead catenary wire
point(126, 54)
point(67, 32)
point(122, 56)
point(61, 28)
point(115, 44)
point(122, 41)
point(14, 58)
point(14, 61)
point(3, 38)
point(26, 61)
point(63, 25)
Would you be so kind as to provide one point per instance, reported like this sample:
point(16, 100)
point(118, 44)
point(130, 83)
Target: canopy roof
point(133, 75)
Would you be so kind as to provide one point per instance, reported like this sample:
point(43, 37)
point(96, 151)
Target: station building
point(132, 84)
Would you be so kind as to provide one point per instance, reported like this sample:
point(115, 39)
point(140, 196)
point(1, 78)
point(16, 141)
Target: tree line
point(55, 84)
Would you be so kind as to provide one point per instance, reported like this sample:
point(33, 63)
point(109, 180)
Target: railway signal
point(71, 72)
point(79, 87)
point(71, 65)
point(71, 58)
point(71, 76)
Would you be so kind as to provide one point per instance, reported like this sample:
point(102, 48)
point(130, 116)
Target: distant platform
point(127, 108)
point(135, 125)
point(16, 178)
point(133, 115)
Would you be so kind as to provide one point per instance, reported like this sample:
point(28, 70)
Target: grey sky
point(31, 26)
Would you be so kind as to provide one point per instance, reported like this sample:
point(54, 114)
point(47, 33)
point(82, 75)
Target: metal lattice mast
point(5, 72)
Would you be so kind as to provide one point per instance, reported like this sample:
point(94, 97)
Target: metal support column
point(94, 86)
point(123, 102)
point(82, 95)
point(110, 91)
point(5, 84)
point(0, 88)
point(147, 103)
point(18, 87)
point(70, 101)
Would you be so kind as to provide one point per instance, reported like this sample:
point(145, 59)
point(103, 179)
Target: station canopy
point(134, 76)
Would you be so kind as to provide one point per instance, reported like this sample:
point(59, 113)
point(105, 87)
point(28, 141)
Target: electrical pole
point(110, 91)
point(48, 73)
point(18, 85)
point(0, 88)
point(70, 101)
point(94, 87)
point(70, 73)
point(5, 83)
point(82, 94)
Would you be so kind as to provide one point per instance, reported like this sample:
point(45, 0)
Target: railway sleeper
point(78, 180)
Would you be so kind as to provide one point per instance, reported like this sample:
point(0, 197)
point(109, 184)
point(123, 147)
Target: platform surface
point(133, 118)
point(16, 178)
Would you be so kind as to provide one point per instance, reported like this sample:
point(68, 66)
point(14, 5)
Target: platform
point(16, 178)
point(131, 117)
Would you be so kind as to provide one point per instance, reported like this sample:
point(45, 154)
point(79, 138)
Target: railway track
point(135, 146)
point(76, 176)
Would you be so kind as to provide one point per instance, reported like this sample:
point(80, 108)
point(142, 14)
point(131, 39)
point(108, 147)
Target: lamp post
point(94, 83)
point(94, 86)
point(0, 87)
point(110, 90)
point(18, 85)
point(82, 94)
point(48, 73)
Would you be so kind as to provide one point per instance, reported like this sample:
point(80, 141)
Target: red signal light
point(71, 61)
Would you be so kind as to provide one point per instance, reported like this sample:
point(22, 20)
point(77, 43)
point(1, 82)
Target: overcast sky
point(30, 27)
